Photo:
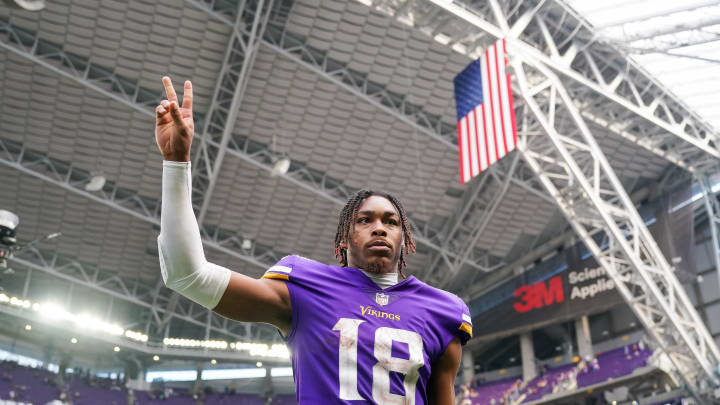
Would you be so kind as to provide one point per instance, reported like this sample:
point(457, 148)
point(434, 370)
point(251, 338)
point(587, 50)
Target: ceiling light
point(213, 361)
point(29, 5)
point(156, 357)
point(28, 327)
point(281, 166)
point(116, 349)
point(259, 364)
point(73, 340)
point(96, 183)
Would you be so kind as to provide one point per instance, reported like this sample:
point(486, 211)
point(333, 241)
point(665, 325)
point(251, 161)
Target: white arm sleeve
point(182, 259)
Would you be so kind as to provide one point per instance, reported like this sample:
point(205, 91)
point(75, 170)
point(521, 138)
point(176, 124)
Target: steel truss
point(482, 222)
point(633, 94)
point(654, 13)
point(229, 91)
point(574, 170)
point(158, 306)
point(295, 49)
point(52, 57)
point(661, 40)
point(633, 106)
point(653, 110)
point(571, 165)
point(148, 349)
point(712, 209)
point(98, 78)
point(453, 225)
point(64, 175)
point(466, 227)
point(704, 21)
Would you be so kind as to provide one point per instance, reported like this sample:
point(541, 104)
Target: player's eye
point(363, 220)
point(392, 222)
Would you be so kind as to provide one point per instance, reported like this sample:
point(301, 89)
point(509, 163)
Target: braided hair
point(347, 219)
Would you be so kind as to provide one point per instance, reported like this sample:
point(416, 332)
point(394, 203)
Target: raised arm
point(182, 259)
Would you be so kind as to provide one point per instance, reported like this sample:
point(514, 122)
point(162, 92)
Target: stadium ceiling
point(677, 43)
point(357, 94)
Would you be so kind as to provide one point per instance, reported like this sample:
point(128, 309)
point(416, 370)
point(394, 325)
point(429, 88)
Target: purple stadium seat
point(284, 400)
point(105, 392)
point(101, 394)
point(29, 384)
point(483, 394)
point(240, 399)
point(613, 364)
point(179, 397)
point(551, 378)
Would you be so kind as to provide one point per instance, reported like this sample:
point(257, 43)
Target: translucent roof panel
point(676, 42)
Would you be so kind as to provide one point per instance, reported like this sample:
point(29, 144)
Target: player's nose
point(379, 230)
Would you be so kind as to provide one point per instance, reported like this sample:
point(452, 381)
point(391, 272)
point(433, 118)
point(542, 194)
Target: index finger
point(169, 90)
point(187, 95)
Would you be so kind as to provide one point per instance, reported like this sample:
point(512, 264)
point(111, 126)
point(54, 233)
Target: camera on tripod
point(8, 242)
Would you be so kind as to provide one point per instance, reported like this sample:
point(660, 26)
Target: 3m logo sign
point(539, 295)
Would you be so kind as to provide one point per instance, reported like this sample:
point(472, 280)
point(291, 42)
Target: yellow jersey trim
point(276, 276)
point(466, 328)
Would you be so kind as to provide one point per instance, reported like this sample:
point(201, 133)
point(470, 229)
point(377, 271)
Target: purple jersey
point(352, 342)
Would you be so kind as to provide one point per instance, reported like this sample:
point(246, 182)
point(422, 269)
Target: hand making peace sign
point(174, 126)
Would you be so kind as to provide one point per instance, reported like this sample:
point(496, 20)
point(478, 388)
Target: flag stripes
point(486, 118)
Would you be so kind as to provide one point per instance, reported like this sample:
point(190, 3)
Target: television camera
point(9, 244)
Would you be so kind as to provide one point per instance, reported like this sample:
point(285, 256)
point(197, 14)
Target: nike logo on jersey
point(378, 314)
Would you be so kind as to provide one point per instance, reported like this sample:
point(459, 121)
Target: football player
point(356, 332)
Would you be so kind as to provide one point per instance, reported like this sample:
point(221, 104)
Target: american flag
point(486, 117)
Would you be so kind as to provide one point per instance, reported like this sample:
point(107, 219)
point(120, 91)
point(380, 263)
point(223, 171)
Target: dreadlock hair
point(347, 219)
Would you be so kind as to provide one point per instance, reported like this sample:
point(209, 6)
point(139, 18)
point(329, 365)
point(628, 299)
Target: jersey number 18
point(384, 337)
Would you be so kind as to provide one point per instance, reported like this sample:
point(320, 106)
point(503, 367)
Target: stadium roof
point(356, 96)
point(676, 42)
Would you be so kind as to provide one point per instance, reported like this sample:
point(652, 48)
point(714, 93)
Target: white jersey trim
point(467, 318)
point(281, 269)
